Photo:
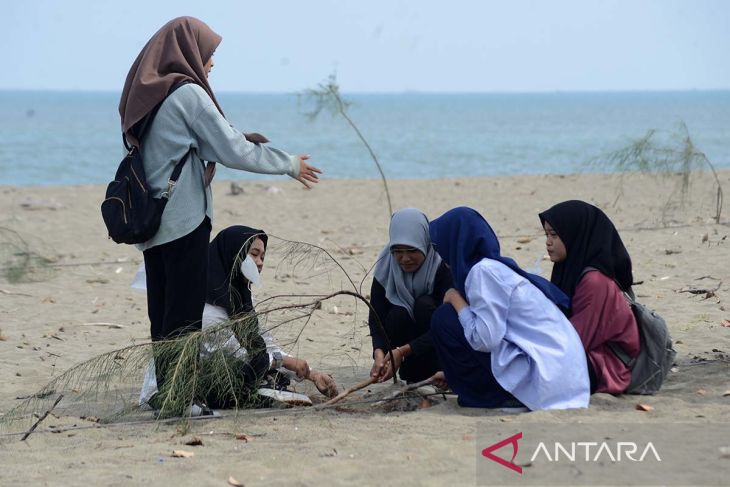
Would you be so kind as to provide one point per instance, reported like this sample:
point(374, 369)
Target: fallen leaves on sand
point(194, 441)
point(242, 437)
point(644, 407)
point(182, 454)
point(725, 323)
point(234, 482)
point(92, 419)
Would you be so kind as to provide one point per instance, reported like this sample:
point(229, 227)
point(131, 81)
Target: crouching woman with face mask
point(235, 260)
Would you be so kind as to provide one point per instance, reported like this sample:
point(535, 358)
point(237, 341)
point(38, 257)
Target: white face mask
point(250, 271)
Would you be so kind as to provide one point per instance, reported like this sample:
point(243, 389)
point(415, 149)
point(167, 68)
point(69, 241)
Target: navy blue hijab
point(463, 237)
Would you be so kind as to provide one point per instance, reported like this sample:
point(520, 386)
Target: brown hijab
point(177, 52)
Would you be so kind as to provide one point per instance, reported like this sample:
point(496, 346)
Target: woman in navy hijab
point(500, 334)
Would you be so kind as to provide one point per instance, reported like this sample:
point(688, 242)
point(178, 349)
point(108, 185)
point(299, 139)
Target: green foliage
point(195, 365)
point(663, 155)
point(20, 261)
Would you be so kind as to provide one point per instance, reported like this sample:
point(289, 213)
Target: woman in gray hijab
point(409, 284)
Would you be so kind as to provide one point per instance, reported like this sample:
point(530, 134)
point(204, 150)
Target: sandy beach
point(83, 305)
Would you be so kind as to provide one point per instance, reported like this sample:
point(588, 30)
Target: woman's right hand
point(378, 361)
point(307, 174)
point(297, 365)
point(439, 381)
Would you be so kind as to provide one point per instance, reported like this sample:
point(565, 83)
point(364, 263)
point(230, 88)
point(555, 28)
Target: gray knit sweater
point(188, 119)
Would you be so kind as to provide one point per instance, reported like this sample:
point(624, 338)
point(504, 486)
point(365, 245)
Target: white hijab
point(408, 226)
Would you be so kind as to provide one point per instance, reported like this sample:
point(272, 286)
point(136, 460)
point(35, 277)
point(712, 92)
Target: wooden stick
point(349, 391)
point(35, 425)
point(110, 325)
point(404, 389)
point(11, 293)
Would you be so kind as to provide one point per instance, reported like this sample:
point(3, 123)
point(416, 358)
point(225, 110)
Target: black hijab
point(227, 287)
point(590, 240)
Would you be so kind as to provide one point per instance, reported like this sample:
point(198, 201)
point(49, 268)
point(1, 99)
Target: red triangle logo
point(487, 452)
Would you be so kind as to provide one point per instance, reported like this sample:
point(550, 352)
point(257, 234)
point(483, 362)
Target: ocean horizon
point(73, 137)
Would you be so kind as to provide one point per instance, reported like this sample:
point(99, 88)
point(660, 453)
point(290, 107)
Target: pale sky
point(383, 45)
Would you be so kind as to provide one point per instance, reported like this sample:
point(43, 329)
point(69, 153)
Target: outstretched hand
point(307, 174)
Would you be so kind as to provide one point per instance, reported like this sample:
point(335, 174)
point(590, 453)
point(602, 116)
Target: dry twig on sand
point(35, 425)
point(339, 397)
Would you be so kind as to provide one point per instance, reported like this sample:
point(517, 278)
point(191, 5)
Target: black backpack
point(130, 212)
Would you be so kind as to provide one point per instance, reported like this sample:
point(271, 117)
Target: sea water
point(58, 138)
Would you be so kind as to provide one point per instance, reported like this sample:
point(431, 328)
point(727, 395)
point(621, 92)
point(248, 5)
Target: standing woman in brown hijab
point(189, 123)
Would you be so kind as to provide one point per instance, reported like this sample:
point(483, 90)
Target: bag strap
point(621, 354)
point(173, 177)
point(146, 121)
point(615, 347)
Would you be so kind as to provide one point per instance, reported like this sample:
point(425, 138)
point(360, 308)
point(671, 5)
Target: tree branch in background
point(327, 95)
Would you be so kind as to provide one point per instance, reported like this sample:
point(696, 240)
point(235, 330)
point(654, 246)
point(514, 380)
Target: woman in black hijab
point(593, 267)
point(235, 259)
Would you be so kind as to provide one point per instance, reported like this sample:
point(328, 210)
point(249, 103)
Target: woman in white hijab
point(409, 284)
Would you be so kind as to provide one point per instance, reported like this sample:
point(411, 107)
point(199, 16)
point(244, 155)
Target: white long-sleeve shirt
point(536, 353)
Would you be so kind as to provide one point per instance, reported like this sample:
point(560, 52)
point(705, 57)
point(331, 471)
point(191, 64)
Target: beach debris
point(92, 419)
point(725, 323)
point(524, 240)
point(708, 292)
point(644, 407)
point(242, 437)
point(334, 310)
point(332, 453)
point(705, 238)
point(726, 393)
point(235, 483)
point(108, 325)
point(3, 338)
point(194, 441)
point(236, 189)
point(98, 280)
point(181, 454)
point(672, 251)
point(48, 411)
point(11, 293)
point(273, 190)
point(700, 392)
point(29, 203)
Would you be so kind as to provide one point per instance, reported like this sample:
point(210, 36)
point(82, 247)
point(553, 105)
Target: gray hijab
point(408, 226)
